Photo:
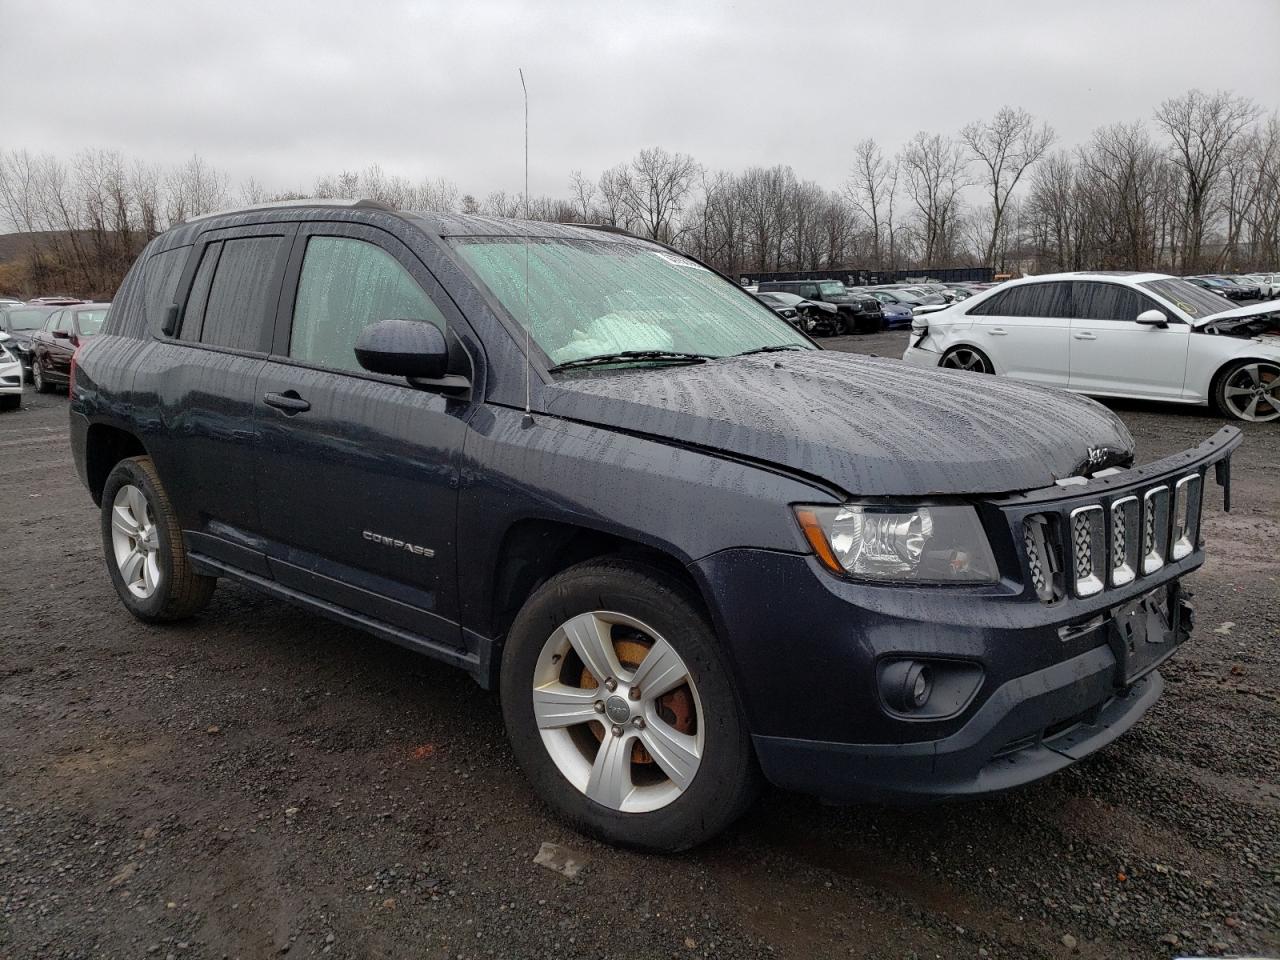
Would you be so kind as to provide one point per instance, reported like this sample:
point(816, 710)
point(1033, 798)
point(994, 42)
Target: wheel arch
point(965, 344)
point(1215, 381)
point(105, 446)
point(532, 551)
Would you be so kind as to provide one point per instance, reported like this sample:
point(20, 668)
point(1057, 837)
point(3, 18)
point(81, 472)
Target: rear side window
point(1040, 300)
point(1110, 301)
point(160, 283)
point(346, 285)
point(232, 300)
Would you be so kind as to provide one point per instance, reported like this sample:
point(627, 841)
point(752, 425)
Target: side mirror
point(403, 348)
point(1152, 318)
point(61, 335)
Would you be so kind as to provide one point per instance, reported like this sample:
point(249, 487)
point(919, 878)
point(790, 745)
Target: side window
point(52, 320)
point(345, 285)
point(992, 307)
point(160, 283)
point(193, 315)
point(1038, 300)
point(809, 291)
point(1109, 301)
point(240, 308)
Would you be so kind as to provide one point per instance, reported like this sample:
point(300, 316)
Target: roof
point(1133, 275)
point(470, 225)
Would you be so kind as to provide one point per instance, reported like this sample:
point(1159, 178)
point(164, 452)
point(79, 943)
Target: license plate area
point(1143, 632)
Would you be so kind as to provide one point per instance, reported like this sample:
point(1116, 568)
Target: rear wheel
point(620, 710)
point(37, 377)
point(1249, 390)
point(967, 358)
point(143, 545)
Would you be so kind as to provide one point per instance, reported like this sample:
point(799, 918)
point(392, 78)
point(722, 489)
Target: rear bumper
point(921, 357)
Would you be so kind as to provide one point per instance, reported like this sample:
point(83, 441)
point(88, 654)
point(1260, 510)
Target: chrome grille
point(1113, 542)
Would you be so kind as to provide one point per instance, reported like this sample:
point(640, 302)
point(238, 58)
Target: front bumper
point(1055, 680)
point(11, 377)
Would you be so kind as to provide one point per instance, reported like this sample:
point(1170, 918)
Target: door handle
point(1084, 335)
point(289, 402)
point(998, 332)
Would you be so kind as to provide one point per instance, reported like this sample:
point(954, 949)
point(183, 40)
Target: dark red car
point(55, 342)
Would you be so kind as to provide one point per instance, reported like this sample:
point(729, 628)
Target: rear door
point(195, 392)
point(62, 345)
point(358, 477)
point(1025, 330)
point(1111, 353)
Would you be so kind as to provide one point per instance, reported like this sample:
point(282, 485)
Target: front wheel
point(967, 358)
point(620, 710)
point(1249, 390)
point(143, 544)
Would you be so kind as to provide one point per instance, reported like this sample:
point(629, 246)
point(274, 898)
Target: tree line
point(1195, 187)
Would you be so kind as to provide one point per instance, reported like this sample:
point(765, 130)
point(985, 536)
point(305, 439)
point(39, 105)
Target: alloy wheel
point(135, 541)
point(618, 712)
point(962, 358)
point(1252, 392)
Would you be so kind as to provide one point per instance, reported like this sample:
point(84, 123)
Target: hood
point(1253, 310)
point(870, 426)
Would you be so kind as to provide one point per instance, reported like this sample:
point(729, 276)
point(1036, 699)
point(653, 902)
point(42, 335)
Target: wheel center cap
point(617, 709)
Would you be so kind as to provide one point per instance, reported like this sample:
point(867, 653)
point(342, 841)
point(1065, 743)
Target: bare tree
point(584, 192)
point(934, 171)
point(656, 189)
point(867, 187)
point(1004, 147)
point(1202, 128)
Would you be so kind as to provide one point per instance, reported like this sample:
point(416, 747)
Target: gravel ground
point(260, 781)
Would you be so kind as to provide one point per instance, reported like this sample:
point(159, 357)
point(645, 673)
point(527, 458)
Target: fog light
point(906, 685)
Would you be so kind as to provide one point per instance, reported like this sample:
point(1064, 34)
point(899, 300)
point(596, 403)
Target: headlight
point(937, 544)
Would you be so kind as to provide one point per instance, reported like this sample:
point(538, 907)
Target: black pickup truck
point(859, 312)
point(691, 549)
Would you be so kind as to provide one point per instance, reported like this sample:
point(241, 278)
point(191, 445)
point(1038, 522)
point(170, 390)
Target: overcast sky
point(287, 91)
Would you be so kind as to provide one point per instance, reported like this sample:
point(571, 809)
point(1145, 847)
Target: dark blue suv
point(687, 546)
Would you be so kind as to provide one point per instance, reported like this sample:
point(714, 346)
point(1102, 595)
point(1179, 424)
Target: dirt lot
point(261, 781)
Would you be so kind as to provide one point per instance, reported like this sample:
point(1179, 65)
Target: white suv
point(1144, 335)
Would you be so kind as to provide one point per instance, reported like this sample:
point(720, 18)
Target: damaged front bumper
point(1030, 681)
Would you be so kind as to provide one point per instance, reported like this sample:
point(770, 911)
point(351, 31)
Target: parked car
point(895, 313)
point(21, 323)
point(858, 314)
point(656, 533)
point(1268, 284)
point(11, 375)
point(53, 345)
point(59, 300)
point(815, 318)
point(9, 302)
point(1117, 335)
point(1226, 288)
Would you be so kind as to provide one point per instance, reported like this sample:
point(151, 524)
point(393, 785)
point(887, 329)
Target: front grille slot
point(1086, 548)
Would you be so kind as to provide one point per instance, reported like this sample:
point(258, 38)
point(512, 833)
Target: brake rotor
point(675, 707)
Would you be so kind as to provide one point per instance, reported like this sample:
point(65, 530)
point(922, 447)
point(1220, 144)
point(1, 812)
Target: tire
point(1248, 390)
point(647, 809)
point(11, 401)
point(42, 385)
point(164, 587)
point(967, 358)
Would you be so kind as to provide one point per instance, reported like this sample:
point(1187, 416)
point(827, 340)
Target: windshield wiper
point(630, 356)
point(776, 348)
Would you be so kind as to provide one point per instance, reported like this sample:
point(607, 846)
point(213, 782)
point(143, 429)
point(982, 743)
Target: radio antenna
point(528, 317)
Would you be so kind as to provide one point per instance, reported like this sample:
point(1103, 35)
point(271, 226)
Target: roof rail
point(286, 204)
point(605, 228)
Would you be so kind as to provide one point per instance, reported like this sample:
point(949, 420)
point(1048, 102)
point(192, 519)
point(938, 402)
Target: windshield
point(832, 288)
point(90, 321)
point(588, 298)
point(26, 319)
point(1196, 302)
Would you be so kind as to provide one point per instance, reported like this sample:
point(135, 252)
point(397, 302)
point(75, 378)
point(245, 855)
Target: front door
point(357, 476)
point(1111, 353)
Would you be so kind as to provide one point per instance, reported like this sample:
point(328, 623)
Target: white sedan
point(10, 376)
point(1143, 335)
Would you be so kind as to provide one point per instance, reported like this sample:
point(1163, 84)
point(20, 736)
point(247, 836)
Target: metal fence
point(861, 278)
